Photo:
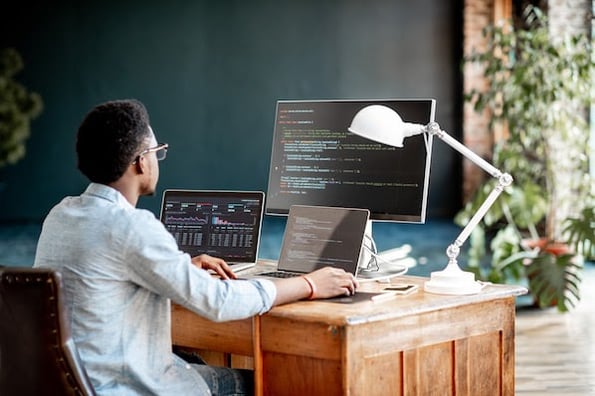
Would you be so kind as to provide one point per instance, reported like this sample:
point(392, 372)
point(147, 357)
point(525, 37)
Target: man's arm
point(323, 283)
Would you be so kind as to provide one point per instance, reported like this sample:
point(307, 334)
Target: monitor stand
point(381, 267)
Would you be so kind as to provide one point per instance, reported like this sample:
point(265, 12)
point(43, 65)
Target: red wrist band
point(312, 287)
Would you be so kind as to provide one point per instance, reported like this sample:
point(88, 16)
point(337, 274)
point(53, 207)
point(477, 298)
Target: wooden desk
point(421, 344)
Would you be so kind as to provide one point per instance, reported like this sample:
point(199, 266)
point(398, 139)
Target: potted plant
point(539, 88)
point(18, 107)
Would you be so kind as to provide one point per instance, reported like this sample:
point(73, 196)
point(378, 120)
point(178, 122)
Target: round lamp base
point(452, 280)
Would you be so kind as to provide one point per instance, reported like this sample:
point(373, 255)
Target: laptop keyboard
point(281, 274)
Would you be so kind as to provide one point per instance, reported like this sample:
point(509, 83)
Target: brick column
point(476, 133)
point(567, 17)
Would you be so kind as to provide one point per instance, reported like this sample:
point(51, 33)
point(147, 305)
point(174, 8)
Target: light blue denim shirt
point(121, 268)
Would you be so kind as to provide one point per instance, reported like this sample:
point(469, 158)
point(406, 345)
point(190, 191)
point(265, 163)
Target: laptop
point(320, 236)
point(223, 224)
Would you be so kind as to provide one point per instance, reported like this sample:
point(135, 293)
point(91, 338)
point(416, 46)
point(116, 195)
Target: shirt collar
point(108, 193)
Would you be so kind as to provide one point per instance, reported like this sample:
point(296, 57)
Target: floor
point(555, 353)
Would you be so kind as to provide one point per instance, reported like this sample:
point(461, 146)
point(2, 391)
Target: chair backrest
point(37, 353)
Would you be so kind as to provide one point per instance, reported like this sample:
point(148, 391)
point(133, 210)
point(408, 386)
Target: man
point(121, 268)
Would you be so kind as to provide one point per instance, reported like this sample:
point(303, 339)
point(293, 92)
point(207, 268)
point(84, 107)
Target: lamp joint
point(433, 128)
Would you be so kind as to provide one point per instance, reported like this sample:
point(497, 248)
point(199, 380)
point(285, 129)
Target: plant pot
point(546, 246)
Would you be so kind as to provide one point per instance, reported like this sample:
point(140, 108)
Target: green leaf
point(580, 232)
point(555, 280)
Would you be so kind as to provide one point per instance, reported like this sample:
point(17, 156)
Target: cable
point(378, 273)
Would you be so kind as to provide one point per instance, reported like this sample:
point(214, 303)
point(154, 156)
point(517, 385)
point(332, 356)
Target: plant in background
point(539, 90)
point(18, 107)
point(580, 231)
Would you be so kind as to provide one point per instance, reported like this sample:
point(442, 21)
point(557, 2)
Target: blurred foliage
point(18, 107)
point(539, 87)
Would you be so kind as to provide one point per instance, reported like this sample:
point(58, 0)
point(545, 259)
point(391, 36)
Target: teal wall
point(210, 72)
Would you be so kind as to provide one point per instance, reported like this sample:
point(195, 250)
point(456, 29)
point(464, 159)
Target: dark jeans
point(222, 381)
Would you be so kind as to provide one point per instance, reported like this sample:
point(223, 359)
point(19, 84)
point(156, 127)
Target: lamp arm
point(434, 129)
point(504, 180)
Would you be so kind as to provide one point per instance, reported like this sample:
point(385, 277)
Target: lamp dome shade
point(379, 123)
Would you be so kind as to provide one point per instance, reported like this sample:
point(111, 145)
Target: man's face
point(151, 167)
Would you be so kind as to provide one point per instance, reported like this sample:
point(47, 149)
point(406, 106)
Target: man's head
point(110, 138)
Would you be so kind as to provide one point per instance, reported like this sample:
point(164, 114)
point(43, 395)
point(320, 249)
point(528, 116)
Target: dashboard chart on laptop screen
point(222, 224)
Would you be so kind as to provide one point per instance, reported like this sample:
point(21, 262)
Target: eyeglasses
point(160, 152)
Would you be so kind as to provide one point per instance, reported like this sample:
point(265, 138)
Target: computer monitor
point(315, 160)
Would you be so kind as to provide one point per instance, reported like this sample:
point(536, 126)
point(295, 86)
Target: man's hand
point(215, 264)
point(323, 283)
point(330, 282)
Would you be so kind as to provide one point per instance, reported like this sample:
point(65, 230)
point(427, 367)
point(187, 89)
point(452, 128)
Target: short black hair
point(111, 135)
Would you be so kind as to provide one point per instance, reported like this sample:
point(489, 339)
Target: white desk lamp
point(382, 124)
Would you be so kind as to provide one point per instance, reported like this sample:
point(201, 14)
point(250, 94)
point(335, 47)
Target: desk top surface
point(396, 306)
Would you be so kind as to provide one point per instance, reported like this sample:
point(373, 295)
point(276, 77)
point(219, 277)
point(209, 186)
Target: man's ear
point(139, 165)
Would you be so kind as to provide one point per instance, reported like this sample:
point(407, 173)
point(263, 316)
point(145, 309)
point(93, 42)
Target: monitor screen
point(315, 160)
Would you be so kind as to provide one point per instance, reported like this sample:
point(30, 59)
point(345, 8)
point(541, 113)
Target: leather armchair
point(37, 353)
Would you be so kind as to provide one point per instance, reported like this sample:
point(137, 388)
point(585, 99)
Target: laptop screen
point(224, 224)
point(318, 236)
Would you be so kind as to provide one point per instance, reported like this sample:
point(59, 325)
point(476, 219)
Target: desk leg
point(258, 371)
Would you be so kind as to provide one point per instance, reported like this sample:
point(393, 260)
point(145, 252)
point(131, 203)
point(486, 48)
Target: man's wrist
point(312, 287)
